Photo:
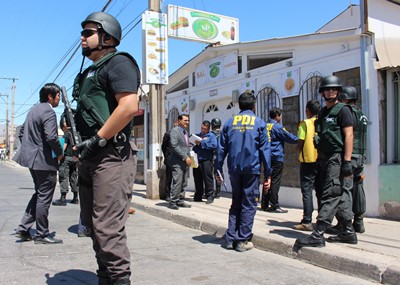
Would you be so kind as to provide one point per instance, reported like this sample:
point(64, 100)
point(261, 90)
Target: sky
point(40, 36)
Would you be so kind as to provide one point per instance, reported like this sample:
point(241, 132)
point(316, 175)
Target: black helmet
point(348, 93)
point(108, 24)
point(215, 123)
point(329, 82)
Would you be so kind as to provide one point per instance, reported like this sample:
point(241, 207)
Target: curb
point(344, 263)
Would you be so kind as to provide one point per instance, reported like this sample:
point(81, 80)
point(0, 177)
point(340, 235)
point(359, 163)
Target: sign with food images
point(290, 83)
point(217, 68)
point(155, 58)
point(202, 26)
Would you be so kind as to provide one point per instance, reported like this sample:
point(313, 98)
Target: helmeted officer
point(349, 95)
point(216, 129)
point(334, 141)
point(107, 100)
point(244, 140)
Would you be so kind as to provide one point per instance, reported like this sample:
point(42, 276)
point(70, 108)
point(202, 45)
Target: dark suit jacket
point(38, 138)
point(180, 150)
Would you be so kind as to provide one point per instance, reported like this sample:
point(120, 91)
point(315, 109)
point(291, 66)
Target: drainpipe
point(365, 56)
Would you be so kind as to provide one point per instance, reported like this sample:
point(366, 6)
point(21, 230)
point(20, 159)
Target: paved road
point(162, 252)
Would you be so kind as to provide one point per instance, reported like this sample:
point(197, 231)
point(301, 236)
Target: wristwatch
point(102, 141)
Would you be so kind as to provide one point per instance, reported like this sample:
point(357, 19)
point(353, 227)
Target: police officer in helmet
point(349, 95)
point(334, 142)
point(216, 129)
point(106, 94)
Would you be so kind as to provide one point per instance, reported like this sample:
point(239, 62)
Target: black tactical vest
point(329, 133)
point(95, 105)
point(360, 131)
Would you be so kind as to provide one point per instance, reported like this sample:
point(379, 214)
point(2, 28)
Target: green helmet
point(330, 81)
point(108, 24)
point(348, 93)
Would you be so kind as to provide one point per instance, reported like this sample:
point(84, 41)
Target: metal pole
point(11, 149)
point(7, 130)
point(12, 120)
point(156, 126)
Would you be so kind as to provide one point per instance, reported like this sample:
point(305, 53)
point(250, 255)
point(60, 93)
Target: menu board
point(155, 58)
point(202, 26)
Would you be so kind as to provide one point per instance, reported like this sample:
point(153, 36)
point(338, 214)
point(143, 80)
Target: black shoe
point(74, 201)
point(313, 240)
point(197, 200)
point(173, 206)
point(276, 210)
point(47, 240)
point(23, 236)
point(210, 201)
point(183, 205)
point(350, 238)
point(60, 202)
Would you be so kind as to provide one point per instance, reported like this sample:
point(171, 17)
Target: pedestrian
point(107, 100)
point(308, 163)
point(68, 171)
point(203, 174)
point(167, 151)
point(278, 136)
point(39, 138)
point(244, 140)
point(180, 161)
point(216, 129)
point(334, 141)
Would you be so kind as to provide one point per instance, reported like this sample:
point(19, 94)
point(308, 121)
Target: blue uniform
point(278, 135)
point(205, 150)
point(244, 140)
point(203, 174)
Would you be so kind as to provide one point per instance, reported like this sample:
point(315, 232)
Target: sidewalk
point(375, 257)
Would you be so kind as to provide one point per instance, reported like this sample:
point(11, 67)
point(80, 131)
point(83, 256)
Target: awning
point(384, 22)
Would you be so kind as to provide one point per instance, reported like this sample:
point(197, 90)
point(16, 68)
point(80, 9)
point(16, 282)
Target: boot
point(316, 239)
point(75, 200)
point(122, 281)
point(61, 202)
point(358, 224)
point(334, 230)
point(217, 192)
point(347, 235)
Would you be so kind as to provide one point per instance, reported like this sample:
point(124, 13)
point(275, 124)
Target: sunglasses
point(86, 33)
point(331, 89)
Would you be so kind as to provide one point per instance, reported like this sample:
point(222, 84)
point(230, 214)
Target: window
point(260, 60)
point(212, 108)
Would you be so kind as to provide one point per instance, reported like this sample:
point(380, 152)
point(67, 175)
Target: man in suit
point(179, 162)
point(166, 149)
point(39, 138)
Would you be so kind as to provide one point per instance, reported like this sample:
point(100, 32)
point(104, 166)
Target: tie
point(186, 137)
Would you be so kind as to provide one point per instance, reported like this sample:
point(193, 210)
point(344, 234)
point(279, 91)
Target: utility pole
point(11, 149)
point(7, 130)
point(156, 130)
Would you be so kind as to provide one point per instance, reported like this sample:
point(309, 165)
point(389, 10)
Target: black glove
point(89, 147)
point(347, 169)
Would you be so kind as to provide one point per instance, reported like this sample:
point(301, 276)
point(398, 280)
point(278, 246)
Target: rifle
point(69, 115)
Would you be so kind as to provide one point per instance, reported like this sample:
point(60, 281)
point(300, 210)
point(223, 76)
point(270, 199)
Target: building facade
point(286, 72)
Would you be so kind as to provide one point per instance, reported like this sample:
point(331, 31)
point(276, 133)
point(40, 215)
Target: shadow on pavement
point(72, 276)
point(285, 224)
point(208, 239)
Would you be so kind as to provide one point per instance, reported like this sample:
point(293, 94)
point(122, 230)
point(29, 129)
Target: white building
point(286, 72)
